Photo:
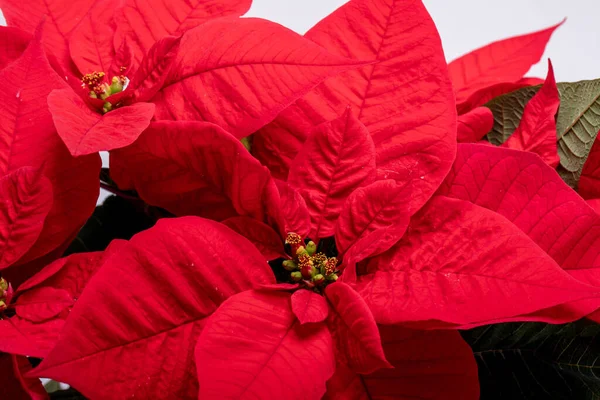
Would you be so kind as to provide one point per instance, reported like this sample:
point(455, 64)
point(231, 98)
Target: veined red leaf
point(475, 264)
point(32, 339)
point(224, 68)
point(502, 61)
point(86, 132)
point(337, 158)
point(595, 204)
point(143, 22)
point(14, 385)
point(270, 356)
point(309, 306)
point(28, 138)
point(482, 96)
point(266, 240)
point(533, 197)
point(405, 99)
point(537, 130)
point(148, 303)
point(25, 200)
point(294, 212)
point(61, 21)
point(436, 365)
point(354, 330)
point(474, 125)
point(13, 42)
point(197, 169)
point(155, 68)
point(39, 305)
point(589, 183)
point(373, 219)
point(91, 42)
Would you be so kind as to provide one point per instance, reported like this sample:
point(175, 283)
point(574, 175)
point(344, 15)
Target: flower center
point(307, 267)
point(100, 88)
point(6, 294)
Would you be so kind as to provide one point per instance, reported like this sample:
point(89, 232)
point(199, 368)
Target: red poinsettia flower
point(497, 68)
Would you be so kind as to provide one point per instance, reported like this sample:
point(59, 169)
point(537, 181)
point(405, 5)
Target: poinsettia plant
point(338, 215)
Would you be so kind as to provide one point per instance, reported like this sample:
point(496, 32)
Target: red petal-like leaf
point(61, 20)
point(475, 264)
point(482, 96)
point(240, 73)
point(13, 43)
point(25, 200)
point(41, 304)
point(148, 303)
point(85, 132)
point(373, 219)
point(589, 183)
point(537, 130)
point(155, 68)
point(523, 189)
point(354, 330)
point(253, 347)
point(595, 204)
point(196, 169)
point(29, 139)
point(309, 306)
point(27, 338)
point(503, 61)
point(435, 365)
point(337, 158)
point(266, 240)
point(474, 125)
point(91, 43)
point(293, 210)
point(143, 22)
point(405, 99)
point(12, 383)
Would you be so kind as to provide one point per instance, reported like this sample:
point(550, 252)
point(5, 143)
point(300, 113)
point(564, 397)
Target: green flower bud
point(116, 85)
point(311, 248)
point(290, 265)
point(296, 276)
point(332, 277)
point(318, 279)
point(301, 250)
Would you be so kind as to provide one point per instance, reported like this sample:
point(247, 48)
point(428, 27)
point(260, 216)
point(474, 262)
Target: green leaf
point(577, 122)
point(537, 361)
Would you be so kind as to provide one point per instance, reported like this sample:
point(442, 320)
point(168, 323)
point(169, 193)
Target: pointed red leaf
point(475, 264)
point(373, 219)
point(240, 73)
point(537, 130)
point(269, 356)
point(589, 183)
point(41, 304)
point(155, 68)
point(337, 158)
point(61, 21)
point(196, 169)
point(23, 337)
point(25, 200)
point(405, 99)
point(532, 196)
point(143, 22)
point(148, 303)
point(502, 61)
point(595, 204)
point(474, 125)
point(436, 365)
point(293, 210)
point(28, 138)
point(91, 42)
point(266, 240)
point(309, 306)
point(354, 330)
point(482, 96)
point(85, 132)
point(12, 383)
point(13, 43)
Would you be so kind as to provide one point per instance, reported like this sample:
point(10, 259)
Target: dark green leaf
point(537, 361)
point(577, 122)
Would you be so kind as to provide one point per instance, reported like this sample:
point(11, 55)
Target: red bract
point(46, 192)
point(14, 385)
point(520, 187)
point(474, 125)
point(537, 130)
point(503, 62)
point(404, 100)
